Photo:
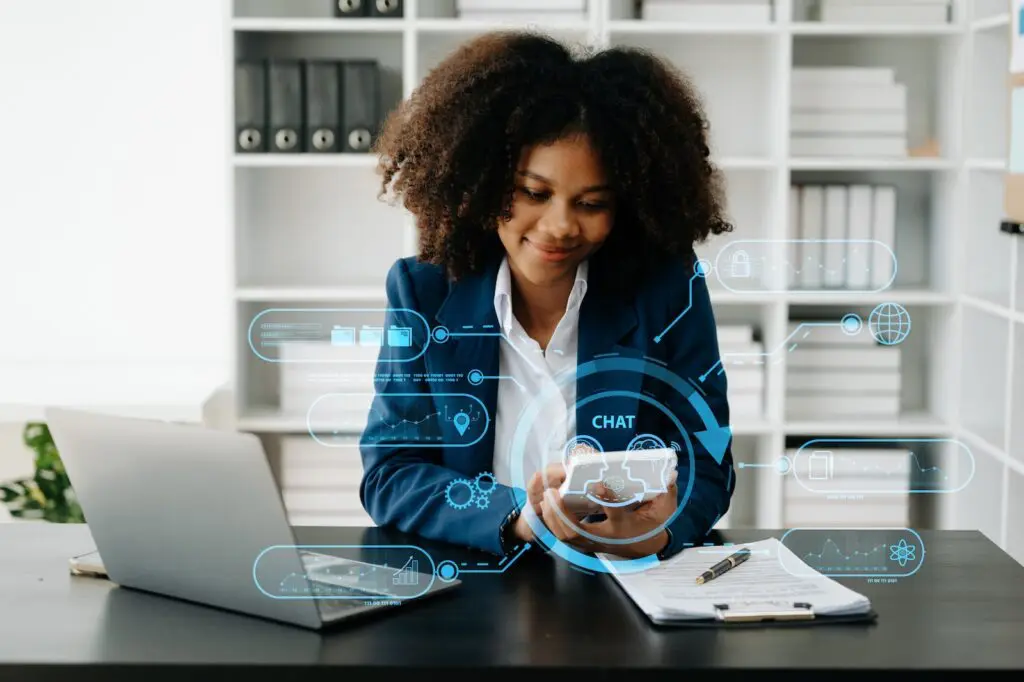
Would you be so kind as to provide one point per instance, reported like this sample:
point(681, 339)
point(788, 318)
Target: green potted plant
point(48, 494)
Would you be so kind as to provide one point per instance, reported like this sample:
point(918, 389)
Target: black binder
point(323, 124)
point(360, 104)
point(284, 90)
point(386, 8)
point(250, 107)
point(351, 8)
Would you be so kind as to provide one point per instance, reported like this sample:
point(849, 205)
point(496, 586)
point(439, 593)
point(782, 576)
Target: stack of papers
point(773, 576)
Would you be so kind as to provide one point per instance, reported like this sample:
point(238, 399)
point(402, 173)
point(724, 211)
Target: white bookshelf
point(311, 231)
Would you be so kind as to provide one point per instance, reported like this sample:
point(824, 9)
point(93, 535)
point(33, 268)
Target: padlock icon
point(740, 264)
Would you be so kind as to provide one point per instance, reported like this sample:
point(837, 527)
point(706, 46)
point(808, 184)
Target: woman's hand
point(621, 523)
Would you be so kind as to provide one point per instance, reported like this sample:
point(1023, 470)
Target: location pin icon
point(461, 423)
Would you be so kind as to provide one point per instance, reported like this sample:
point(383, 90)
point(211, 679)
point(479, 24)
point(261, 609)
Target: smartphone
point(632, 476)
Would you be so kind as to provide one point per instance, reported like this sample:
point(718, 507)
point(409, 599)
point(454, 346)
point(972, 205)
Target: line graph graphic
point(914, 469)
point(853, 552)
point(834, 558)
point(409, 419)
point(405, 429)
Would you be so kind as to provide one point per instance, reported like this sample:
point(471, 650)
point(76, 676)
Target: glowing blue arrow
point(714, 438)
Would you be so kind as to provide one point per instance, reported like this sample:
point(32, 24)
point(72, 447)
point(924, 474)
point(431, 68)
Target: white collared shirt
point(530, 371)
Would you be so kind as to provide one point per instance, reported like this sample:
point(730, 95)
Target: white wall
point(114, 226)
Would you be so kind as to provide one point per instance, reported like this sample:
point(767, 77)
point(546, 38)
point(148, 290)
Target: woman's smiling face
point(562, 210)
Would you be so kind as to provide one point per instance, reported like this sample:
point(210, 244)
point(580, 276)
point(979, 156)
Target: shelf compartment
point(311, 227)
point(922, 64)
point(984, 380)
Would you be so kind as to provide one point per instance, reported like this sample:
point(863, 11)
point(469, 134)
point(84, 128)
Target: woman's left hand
point(621, 523)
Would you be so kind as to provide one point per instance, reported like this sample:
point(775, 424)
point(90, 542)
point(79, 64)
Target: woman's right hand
point(551, 477)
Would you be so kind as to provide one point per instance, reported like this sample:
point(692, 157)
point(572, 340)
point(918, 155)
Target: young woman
point(558, 200)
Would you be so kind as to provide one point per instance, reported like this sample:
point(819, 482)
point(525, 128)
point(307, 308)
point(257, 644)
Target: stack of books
point(832, 374)
point(841, 487)
point(829, 225)
point(743, 360)
point(848, 111)
point(302, 380)
point(522, 11)
point(708, 11)
point(319, 484)
point(884, 11)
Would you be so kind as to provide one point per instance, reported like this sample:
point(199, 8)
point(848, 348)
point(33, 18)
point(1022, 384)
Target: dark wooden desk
point(964, 610)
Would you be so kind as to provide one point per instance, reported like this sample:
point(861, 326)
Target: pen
point(724, 565)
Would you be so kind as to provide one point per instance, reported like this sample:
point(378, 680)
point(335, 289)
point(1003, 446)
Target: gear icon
point(484, 484)
point(460, 482)
point(482, 501)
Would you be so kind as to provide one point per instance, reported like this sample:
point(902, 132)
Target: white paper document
point(772, 576)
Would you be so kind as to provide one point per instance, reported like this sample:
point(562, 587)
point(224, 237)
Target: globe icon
point(889, 323)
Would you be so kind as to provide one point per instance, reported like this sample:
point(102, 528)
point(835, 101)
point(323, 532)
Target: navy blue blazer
point(406, 486)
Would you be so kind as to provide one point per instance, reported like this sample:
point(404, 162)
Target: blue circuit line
point(689, 304)
point(504, 568)
point(782, 345)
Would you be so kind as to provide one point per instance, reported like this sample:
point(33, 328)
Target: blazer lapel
point(606, 318)
point(468, 315)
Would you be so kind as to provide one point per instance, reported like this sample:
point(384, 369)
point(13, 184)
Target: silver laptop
point(195, 513)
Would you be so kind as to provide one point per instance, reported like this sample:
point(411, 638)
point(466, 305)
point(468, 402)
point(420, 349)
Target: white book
point(310, 478)
point(303, 451)
point(793, 247)
point(522, 5)
point(353, 519)
point(844, 13)
point(735, 334)
point(812, 407)
point(737, 353)
point(749, 380)
point(844, 514)
point(859, 146)
point(842, 122)
point(883, 229)
point(944, 3)
point(707, 12)
point(834, 275)
point(823, 381)
point(860, 256)
point(340, 500)
point(524, 17)
point(812, 231)
point(849, 98)
point(826, 332)
point(745, 405)
point(844, 75)
point(878, 358)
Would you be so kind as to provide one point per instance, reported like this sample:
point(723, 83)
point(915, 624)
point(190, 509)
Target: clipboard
point(768, 614)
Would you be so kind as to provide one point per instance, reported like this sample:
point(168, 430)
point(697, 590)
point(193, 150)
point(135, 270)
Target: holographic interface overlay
point(854, 552)
point(618, 370)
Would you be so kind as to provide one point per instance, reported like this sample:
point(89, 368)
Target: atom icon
point(902, 552)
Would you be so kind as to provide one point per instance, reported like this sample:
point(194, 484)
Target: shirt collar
point(503, 293)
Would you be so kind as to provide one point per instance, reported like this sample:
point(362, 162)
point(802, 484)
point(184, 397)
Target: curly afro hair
point(450, 151)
